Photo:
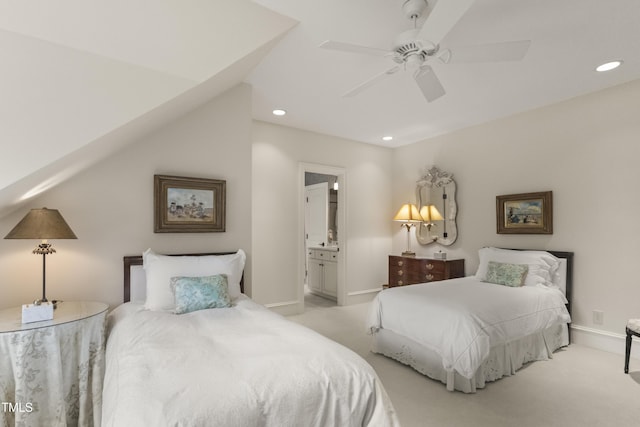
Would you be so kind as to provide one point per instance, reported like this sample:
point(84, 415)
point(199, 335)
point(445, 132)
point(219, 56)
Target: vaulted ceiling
point(79, 80)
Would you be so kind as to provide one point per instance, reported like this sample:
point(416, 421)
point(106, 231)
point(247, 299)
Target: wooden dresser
point(410, 270)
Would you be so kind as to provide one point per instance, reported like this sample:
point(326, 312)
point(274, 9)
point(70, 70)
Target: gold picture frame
point(189, 205)
point(526, 213)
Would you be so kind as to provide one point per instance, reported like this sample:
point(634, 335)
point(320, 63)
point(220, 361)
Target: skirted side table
point(51, 372)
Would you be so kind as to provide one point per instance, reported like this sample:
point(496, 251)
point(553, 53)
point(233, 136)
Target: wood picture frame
point(526, 213)
point(189, 205)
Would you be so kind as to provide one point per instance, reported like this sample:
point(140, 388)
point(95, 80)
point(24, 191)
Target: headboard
point(133, 261)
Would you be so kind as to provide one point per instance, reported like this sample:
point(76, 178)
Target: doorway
point(322, 236)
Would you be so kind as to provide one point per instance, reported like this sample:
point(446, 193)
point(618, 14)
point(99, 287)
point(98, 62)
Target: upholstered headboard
point(134, 274)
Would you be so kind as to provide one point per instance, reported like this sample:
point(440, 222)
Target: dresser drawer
point(431, 270)
point(410, 270)
point(398, 277)
point(323, 254)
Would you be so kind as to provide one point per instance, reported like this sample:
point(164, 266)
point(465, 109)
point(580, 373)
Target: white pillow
point(542, 265)
point(559, 279)
point(159, 269)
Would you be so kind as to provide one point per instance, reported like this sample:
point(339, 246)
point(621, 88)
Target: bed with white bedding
point(241, 365)
point(466, 332)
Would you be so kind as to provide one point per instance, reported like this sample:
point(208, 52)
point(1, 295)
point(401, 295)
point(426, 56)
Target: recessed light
point(609, 66)
point(279, 112)
point(387, 138)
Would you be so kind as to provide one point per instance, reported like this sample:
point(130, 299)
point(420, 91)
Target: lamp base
point(408, 253)
point(45, 301)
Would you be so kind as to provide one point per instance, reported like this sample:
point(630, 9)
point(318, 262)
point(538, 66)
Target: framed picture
point(528, 213)
point(189, 205)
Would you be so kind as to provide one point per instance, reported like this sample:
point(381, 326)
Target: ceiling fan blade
point(429, 83)
point(443, 17)
point(353, 48)
point(375, 79)
point(492, 52)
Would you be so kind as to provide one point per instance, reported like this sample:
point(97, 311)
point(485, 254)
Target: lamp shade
point(430, 213)
point(42, 224)
point(408, 213)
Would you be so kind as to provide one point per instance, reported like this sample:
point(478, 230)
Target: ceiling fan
point(414, 48)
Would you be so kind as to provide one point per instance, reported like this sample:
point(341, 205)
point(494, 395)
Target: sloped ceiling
point(79, 79)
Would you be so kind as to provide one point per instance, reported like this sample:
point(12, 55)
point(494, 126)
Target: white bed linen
point(237, 366)
point(462, 319)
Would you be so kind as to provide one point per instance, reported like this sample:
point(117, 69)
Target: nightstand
point(51, 372)
point(411, 270)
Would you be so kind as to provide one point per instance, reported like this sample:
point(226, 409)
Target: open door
point(316, 214)
point(321, 210)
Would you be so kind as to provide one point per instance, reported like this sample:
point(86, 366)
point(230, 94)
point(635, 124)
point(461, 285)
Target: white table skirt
point(53, 376)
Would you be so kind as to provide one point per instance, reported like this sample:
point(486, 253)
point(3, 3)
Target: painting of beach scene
point(189, 205)
point(528, 213)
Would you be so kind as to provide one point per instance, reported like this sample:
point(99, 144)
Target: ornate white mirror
point(436, 198)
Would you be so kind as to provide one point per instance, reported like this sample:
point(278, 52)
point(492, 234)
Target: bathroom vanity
point(323, 271)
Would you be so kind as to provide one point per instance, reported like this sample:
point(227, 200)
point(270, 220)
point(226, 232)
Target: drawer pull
point(400, 283)
point(400, 272)
point(430, 266)
point(400, 263)
point(429, 276)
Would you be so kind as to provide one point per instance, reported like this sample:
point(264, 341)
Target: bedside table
point(411, 270)
point(51, 372)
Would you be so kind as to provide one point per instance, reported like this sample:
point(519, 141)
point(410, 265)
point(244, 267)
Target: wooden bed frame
point(133, 260)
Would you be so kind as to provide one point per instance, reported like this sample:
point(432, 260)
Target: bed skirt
point(503, 359)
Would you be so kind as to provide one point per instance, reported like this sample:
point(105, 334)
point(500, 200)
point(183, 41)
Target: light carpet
point(580, 386)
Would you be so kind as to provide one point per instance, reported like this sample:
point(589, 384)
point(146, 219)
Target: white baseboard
point(603, 340)
point(359, 297)
point(366, 291)
point(286, 308)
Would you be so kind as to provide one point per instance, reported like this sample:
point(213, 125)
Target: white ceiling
point(569, 39)
point(79, 80)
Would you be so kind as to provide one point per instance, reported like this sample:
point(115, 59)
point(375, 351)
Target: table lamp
point(408, 215)
point(42, 224)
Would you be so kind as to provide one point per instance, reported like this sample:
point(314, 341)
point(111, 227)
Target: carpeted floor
point(579, 387)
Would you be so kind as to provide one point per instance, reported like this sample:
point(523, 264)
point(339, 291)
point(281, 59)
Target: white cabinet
point(322, 276)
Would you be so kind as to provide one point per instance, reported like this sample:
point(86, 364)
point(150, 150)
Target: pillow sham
point(159, 269)
point(200, 293)
point(506, 274)
point(559, 279)
point(542, 266)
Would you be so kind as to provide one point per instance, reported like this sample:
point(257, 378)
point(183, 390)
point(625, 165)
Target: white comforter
point(461, 319)
point(238, 366)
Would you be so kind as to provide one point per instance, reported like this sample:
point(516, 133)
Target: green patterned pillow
point(200, 293)
point(506, 274)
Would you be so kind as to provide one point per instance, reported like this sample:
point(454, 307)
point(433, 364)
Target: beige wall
point(366, 238)
point(110, 206)
point(586, 151)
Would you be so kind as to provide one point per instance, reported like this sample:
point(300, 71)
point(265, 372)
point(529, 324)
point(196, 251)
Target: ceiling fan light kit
point(415, 47)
